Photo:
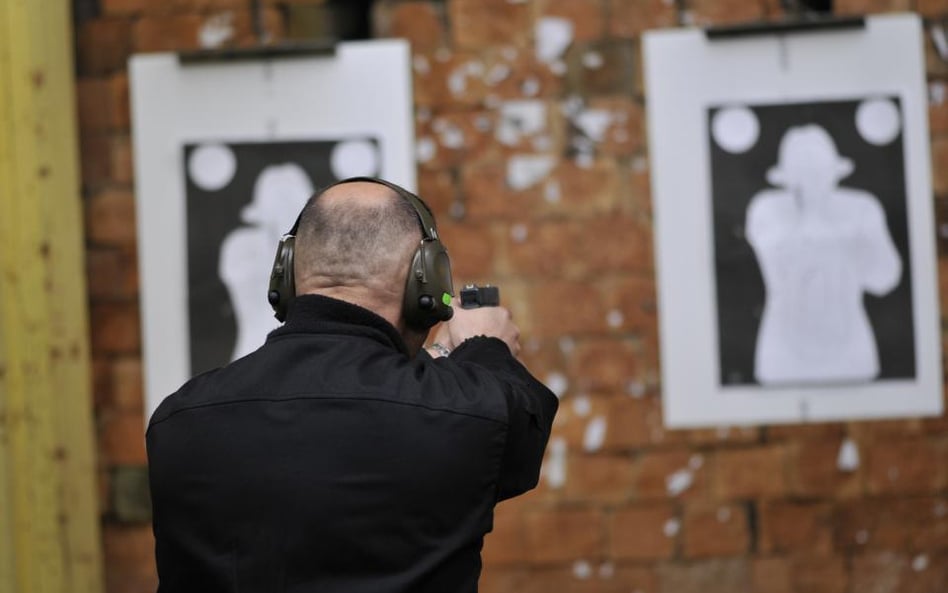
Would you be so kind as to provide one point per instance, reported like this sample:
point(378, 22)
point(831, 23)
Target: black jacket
point(329, 461)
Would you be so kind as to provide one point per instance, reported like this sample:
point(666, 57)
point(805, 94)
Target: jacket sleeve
point(530, 409)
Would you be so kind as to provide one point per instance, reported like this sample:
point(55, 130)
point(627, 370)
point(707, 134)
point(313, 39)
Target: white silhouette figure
point(279, 194)
point(819, 247)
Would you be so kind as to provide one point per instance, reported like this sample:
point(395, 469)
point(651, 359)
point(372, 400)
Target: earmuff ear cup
point(429, 287)
point(282, 288)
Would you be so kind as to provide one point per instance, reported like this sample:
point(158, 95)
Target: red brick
point(629, 18)
point(932, 8)
point(110, 218)
point(726, 12)
point(821, 575)
point(861, 7)
point(450, 139)
point(935, 66)
point(589, 576)
point(506, 544)
point(480, 23)
point(446, 79)
point(129, 557)
point(871, 430)
point(603, 68)
point(813, 470)
point(513, 73)
point(723, 435)
point(625, 134)
point(598, 478)
point(439, 191)
point(900, 572)
point(678, 474)
point(123, 7)
point(893, 524)
point(758, 472)
point(563, 535)
point(796, 527)
point(122, 438)
point(709, 576)
point(127, 385)
point(120, 102)
point(642, 579)
point(631, 296)
point(715, 530)
point(103, 46)
point(101, 383)
point(771, 575)
point(644, 532)
point(179, 6)
point(562, 308)
point(938, 108)
point(635, 189)
point(570, 189)
point(114, 328)
point(472, 251)
point(586, 16)
point(122, 163)
point(801, 432)
point(604, 363)
point(95, 157)
point(111, 273)
point(503, 579)
point(641, 422)
point(95, 107)
point(564, 248)
point(574, 417)
point(421, 23)
point(167, 33)
point(905, 466)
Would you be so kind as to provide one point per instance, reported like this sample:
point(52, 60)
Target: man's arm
point(488, 338)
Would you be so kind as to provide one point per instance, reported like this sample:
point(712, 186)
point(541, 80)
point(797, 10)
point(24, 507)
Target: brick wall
point(624, 504)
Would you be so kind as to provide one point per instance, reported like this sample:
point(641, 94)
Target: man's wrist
point(437, 349)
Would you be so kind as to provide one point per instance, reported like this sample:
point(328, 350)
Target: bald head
point(356, 236)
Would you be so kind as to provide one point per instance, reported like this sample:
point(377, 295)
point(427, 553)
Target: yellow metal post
point(49, 529)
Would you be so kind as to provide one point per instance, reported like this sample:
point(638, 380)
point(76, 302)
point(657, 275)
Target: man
point(341, 456)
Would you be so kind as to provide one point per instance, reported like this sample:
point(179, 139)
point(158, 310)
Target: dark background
point(736, 178)
point(211, 216)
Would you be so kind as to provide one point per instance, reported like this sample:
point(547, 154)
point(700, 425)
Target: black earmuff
point(428, 288)
point(282, 281)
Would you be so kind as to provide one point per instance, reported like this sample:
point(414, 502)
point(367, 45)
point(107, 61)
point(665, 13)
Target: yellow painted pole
point(49, 529)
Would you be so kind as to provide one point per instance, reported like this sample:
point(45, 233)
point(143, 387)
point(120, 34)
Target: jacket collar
point(313, 313)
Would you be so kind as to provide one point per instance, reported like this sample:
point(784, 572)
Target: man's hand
point(495, 322)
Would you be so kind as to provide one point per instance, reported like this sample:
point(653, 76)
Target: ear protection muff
point(428, 287)
point(282, 288)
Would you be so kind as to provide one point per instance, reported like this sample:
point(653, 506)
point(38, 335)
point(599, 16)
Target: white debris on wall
point(554, 468)
point(582, 406)
point(216, 30)
point(520, 119)
point(847, 460)
point(582, 570)
point(425, 149)
point(526, 170)
point(557, 383)
point(595, 434)
point(594, 123)
point(553, 35)
point(679, 481)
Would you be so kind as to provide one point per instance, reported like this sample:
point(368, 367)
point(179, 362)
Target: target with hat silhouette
point(812, 260)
